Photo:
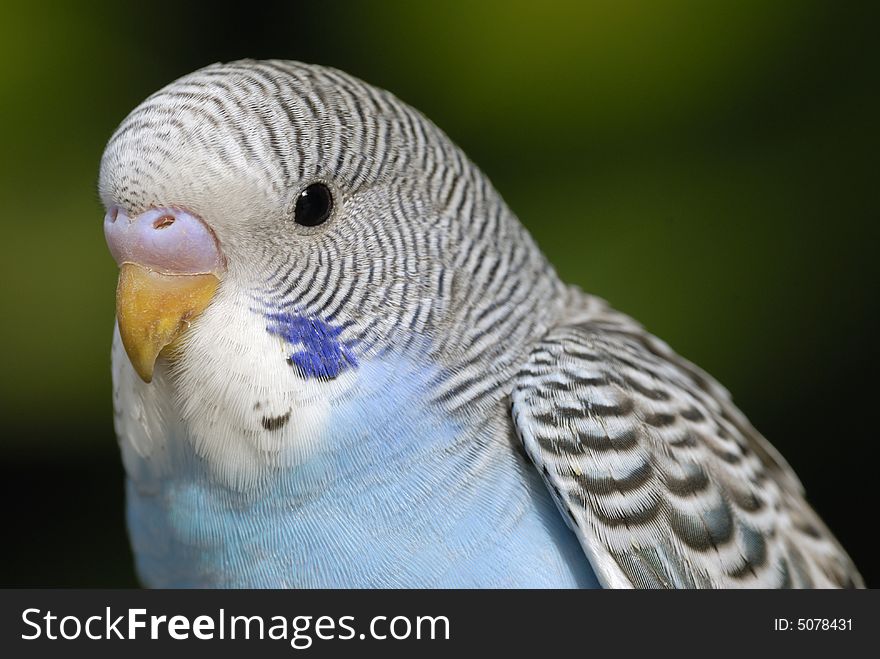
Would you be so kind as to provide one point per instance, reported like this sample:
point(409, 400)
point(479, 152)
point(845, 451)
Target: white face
point(252, 413)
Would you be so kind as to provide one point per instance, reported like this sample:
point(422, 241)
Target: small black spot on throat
point(276, 422)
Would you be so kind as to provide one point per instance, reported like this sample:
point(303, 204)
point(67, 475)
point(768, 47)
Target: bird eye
point(313, 206)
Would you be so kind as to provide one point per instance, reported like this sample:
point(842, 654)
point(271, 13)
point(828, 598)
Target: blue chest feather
point(322, 353)
point(395, 495)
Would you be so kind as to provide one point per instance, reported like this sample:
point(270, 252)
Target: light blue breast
point(400, 496)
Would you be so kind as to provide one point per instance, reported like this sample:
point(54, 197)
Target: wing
point(664, 481)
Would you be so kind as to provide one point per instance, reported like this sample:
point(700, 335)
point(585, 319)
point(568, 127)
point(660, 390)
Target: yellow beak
point(153, 309)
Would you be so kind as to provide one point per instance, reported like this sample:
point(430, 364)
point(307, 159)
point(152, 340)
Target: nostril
point(114, 213)
point(186, 246)
point(163, 222)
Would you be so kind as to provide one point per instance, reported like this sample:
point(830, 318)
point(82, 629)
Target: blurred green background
point(710, 168)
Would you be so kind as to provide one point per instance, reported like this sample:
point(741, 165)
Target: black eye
point(313, 206)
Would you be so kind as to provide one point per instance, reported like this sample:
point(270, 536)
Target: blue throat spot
point(324, 355)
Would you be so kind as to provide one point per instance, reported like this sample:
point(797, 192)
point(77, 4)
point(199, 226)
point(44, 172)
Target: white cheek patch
point(231, 394)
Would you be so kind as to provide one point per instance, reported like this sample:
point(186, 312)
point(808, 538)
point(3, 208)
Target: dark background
point(710, 168)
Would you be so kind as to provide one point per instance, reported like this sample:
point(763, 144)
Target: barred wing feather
point(664, 481)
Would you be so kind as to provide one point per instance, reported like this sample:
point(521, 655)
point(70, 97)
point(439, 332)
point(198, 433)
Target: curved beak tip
point(153, 309)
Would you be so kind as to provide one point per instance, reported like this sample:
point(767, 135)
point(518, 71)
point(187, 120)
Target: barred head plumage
point(419, 244)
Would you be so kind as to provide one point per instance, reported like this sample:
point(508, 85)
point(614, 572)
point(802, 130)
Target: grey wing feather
point(664, 481)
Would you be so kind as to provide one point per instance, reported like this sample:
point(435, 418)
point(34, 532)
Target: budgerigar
point(341, 361)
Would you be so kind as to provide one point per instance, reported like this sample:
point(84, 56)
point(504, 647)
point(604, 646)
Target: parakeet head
point(268, 182)
point(277, 224)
